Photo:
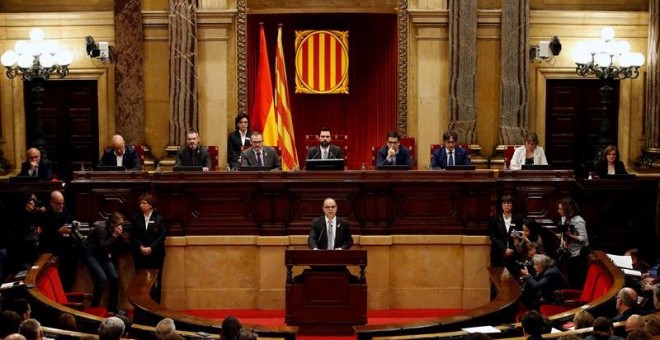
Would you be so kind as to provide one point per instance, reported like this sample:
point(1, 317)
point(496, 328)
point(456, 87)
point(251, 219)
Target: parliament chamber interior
point(171, 160)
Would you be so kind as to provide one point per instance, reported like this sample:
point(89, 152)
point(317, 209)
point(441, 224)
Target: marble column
point(463, 69)
point(650, 158)
point(514, 88)
point(183, 69)
point(129, 84)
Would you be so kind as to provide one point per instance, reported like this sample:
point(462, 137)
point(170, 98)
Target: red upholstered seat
point(215, 158)
point(50, 285)
point(596, 284)
point(508, 154)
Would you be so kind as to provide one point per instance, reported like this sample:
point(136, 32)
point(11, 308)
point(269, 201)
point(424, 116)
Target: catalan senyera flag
point(321, 61)
point(263, 112)
point(286, 140)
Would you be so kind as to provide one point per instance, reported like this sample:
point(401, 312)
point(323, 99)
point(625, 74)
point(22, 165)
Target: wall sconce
point(545, 51)
point(36, 58)
point(607, 59)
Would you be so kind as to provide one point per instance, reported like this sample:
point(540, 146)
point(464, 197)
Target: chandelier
point(37, 58)
point(607, 59)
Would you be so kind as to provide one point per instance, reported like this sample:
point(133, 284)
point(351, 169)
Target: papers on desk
point(11, 284)
point(631, 272)
point(482, 329)
point(621, 261)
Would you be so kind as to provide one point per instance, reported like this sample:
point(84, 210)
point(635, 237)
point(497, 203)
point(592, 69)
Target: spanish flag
point(286, 140)
point(263, 111)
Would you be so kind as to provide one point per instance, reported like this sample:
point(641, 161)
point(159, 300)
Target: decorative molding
point(402, 61)
point(241, 56)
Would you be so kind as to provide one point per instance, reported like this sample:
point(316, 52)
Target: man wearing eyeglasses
point(329, 231)
point(394, 153)
point(35, 166)
point(260, 155)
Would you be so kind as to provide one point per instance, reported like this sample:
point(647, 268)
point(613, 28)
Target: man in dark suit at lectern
point(330, 229)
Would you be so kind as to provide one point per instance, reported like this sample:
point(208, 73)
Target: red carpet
point(276, 317)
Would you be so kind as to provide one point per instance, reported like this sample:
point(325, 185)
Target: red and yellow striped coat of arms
point(321, 62)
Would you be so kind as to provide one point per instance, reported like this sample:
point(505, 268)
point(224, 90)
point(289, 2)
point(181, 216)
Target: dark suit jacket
point(234, 145)
point(318, 235)
point(619, 168)
point(152, 236)
point(439, 159)
point(50, 241)
point(268, 154)
point(402, 157)
point(547, 283)
point(500, 239)
point(131, 158)
point(193, 157)
point(45, 169)
point(333, 153)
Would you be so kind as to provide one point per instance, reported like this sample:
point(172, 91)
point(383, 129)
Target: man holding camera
point(60, 236)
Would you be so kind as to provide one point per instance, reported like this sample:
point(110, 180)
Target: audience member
point(325, 150)
point(121, 155)
point(260, 155)
point(574, 241)
point(450, 153)
point(529, 154)
point(238, 140)
point(128, 323)
point(540, 288)
point(247, 334)
point(635, 322)
point(15, 336)
point(393, 153)
point(67, 322)
point(147, 237)
point(25, 232)
point(626, 304)
point(532, 325)
point(478, 336)
point(609, 163)
point(22, 307)
point(35, 166)
point(59, 237)
point(111, 328)
point(583, 319)
point(637, 262)
point(165, 327)
point(653, 325)
point(230, 328)
point(31, 330)
point(10, 322)
point(602, 330)
point(500, 229)
point(330, 231)
point(98, 250)
point(172, 336)
point(193, 154)
point(639, 334)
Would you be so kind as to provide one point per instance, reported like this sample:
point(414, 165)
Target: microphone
point(318, 240)
point(316, 154)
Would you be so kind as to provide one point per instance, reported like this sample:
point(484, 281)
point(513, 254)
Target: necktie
point(36, 172)
point(331, 236)
point(259, 162)
point(451, 158)
point(325, 154)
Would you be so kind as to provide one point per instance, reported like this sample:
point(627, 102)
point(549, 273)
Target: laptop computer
point(460, 167)
point(255, 168)
point(536, 167)
point(181, 168)
point(110, 168)
point(395, 167)
point(324, 164)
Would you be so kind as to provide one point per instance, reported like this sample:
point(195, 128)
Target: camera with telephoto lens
point(516, 233)
point(75, 231)
point(37, 203)
point(566, 227)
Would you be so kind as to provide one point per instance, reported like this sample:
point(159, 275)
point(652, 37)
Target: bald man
point(121, 155)
point(626, 304)
point(35, 166)
point(57, 237)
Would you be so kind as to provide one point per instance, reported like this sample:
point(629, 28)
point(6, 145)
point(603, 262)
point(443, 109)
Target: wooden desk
point(325, 299)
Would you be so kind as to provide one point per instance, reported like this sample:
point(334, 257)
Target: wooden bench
point(149, 312)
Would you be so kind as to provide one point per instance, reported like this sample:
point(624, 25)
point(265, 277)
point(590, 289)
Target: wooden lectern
point(326, 299)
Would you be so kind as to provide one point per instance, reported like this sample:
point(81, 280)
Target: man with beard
point(260, 155)
point(325, 150)
point(193, 154)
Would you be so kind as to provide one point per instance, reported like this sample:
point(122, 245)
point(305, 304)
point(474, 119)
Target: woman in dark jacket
point(540, 288)
point(98, 249)
point(237, 140)
point(610, 164)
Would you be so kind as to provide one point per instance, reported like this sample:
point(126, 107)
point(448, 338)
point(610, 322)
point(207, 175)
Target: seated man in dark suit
point(329, 231)
point(449, 154)
point(121, 155)
point(394, 153)
point(35, 166)
point(325, 150)
point(260, 155)
point(193, 154)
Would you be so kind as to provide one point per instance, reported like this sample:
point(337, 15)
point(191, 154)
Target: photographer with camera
point(98, 250)
point(502, 228)
point(60, 236)
point(25, 232)
point(538, 289)
point(574, 242)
